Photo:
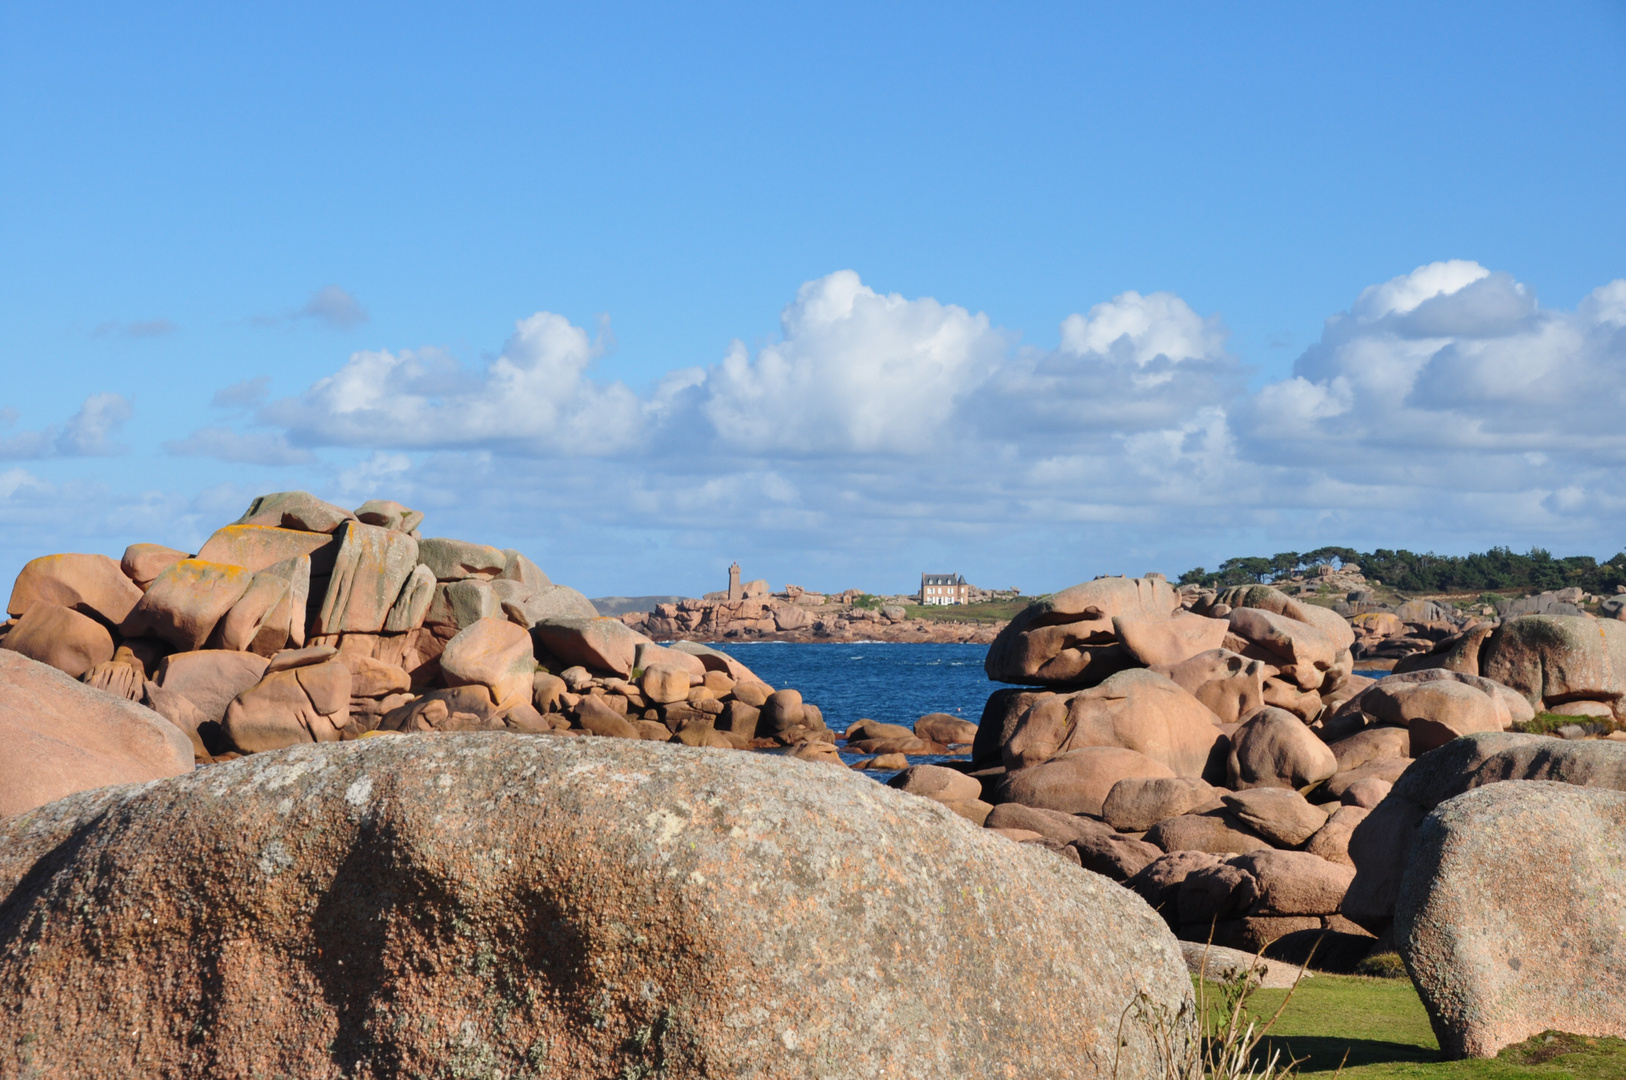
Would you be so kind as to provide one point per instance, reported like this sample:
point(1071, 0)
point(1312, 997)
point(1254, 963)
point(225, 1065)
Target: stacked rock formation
point(1215, 752)
point(305, 622)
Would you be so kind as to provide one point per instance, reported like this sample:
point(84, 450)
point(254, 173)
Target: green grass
point(997, 611)
point(1381, 1025)
point(1546, 723)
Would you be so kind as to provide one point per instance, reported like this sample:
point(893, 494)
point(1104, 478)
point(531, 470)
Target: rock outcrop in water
point(486, 905)
point(799, 616)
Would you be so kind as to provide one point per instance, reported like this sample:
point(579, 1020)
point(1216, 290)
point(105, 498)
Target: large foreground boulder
point(1510, 917)
point(505, 905)
point(58, 736)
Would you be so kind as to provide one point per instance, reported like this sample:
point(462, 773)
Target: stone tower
point(734, 590)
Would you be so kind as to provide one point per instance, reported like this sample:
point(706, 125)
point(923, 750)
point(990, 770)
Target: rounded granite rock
point(1509, 915)
point(568, 908)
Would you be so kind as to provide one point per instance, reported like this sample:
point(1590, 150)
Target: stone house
point(940, 589)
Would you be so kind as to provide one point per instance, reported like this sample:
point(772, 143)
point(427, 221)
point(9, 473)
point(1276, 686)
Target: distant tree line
point(1407, 571)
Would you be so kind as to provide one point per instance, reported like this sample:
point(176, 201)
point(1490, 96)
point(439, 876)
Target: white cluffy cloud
point(1141, 329)
point(534, 398)
point(857, 372)
point(1455, 358)
point(1449, 402)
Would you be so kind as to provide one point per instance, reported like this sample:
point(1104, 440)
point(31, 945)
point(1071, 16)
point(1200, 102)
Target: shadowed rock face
point(1509, 916)
point(513, 905)
point(1381, 845)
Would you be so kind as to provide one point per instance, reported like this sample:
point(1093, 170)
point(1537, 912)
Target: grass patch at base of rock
point(1381, 1024)
point(998, 611)
point(1549, 723)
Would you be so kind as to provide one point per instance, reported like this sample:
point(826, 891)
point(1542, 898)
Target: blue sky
point(842, 293)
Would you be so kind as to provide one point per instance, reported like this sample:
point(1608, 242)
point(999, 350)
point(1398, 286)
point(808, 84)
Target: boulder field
point(485, 905)
point(1212, 752)
point(304, 622)
point(1216, 752)
point(1382, 845)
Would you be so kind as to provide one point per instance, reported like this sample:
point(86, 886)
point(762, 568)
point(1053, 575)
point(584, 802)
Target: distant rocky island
point(752, 611)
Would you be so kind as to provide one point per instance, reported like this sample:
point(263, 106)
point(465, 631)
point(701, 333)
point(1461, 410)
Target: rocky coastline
point(791, 618)
point(349, 751)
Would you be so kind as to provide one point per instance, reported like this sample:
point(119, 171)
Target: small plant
point(868, 600)
point(639, 1044)
point(637, 673)
point(1230, 1036)
point(1551, 1045)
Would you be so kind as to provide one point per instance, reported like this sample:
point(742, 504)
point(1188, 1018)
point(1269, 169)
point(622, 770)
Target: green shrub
point(1386, 965)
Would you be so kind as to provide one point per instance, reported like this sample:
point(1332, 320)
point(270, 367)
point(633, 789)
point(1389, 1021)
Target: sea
point(893, 682)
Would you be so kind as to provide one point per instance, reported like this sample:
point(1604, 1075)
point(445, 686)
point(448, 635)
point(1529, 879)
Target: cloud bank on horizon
point(1444, 408)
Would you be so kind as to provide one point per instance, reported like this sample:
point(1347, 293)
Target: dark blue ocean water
point(885, 681)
